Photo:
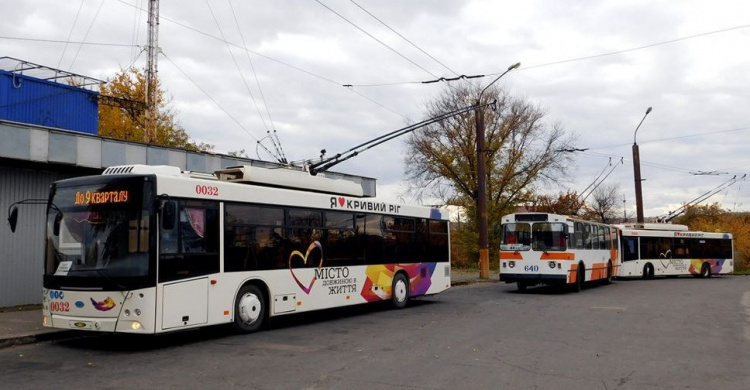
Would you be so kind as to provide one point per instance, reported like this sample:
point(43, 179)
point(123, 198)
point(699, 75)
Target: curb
point(472, 281)
point(38, 338)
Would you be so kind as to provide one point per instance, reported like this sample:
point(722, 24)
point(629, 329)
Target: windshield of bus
point(549, 236)
point(99, 235)
point(516, 237)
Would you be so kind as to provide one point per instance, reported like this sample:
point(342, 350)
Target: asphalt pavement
point(23, 324)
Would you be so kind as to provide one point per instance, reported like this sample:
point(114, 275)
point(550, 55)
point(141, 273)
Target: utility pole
point(637, 173)
point(151, 70)
point(484, 252)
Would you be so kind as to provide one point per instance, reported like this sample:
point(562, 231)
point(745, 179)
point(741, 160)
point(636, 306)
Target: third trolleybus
point(652, 249)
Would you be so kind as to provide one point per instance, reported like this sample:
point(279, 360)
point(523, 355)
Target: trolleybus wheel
point(648, 271)
point(580, 278)
point(705, 270)
point(521, 286)
point(400, 291)
point(609, 272)
point(249, 309)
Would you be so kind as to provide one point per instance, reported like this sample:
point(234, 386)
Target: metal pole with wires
point(484, 252)
point(637, 173)
point(149, 132)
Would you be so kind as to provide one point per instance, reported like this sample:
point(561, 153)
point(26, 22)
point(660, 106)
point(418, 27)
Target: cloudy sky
point(595, 66)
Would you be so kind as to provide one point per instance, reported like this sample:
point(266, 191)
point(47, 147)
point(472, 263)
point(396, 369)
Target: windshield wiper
point(100, 272)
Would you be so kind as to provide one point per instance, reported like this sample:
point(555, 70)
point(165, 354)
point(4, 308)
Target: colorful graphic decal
point(105, 305)
point(715, 264)
point(306, 288)
point(420, 279)
point(339, 281)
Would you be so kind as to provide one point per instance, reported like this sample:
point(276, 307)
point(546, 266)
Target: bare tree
point(604, 205)
point(521, 151)
point(566, 203)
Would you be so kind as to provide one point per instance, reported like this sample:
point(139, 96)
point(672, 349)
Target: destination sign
point(101, 197)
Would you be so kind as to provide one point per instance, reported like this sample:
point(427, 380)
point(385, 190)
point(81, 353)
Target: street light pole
point(637, 173)
point(484, 255)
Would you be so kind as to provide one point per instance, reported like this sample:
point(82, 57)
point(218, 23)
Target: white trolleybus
point(653, 249)
point(151, 249)
point(544, 248)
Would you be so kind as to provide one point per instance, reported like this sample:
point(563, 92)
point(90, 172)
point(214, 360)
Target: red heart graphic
point(312, 246)
point(341, 201)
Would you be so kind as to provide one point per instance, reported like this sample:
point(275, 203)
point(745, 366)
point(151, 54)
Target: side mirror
point(168, 213)
point(13, 218)
point(56, 224)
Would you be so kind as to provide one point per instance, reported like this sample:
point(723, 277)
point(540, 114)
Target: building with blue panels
point(38, 95)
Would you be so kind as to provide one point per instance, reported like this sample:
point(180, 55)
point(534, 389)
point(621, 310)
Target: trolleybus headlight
point(137, 312)
point(127, 313)
point(511, 264)
point(135, 325)
point(552, 264)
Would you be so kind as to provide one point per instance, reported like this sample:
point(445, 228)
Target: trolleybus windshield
point(98, 235)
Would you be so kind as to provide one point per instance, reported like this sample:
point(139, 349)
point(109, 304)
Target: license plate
point(81, 324)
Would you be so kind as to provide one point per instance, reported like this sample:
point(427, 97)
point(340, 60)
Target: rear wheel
point(609, 273)
point(250, 309)
point(400, 291)
point(705, 270)
point(521, 286)
point(648, 271)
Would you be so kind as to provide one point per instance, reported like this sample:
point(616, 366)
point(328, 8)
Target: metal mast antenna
point(151, 69)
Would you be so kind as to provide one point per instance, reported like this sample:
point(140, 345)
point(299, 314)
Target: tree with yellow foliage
point(127, 119)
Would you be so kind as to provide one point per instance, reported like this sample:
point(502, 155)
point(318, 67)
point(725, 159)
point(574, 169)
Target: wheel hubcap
point(400, 291)
point(249, 308)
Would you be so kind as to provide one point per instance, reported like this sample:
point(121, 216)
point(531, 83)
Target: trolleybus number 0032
point(207, 190)
point(59, 306)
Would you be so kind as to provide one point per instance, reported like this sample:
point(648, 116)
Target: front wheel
point(609, 273)
point(250, 309)
point(580, 278)
point(400, 291)
point(705, 270)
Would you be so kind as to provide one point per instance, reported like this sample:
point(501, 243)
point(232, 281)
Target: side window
point(594, 237)
point(398, 237)
point(603, 237)
point(629, 248)
point(549, 236)
point(190, 247)
point(340, 243)
point(587, 236)
point(253, 237)
point(304, 228)
point(438, 241)
point(578, 236)
point(373, 238)
point(656, 248)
